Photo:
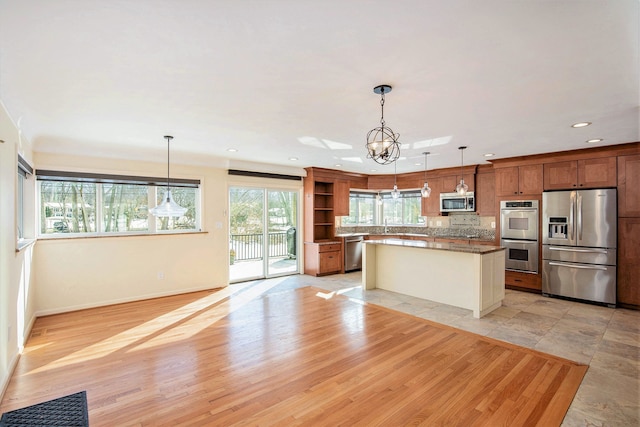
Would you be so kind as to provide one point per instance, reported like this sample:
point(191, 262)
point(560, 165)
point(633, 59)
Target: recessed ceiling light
point(594, 140)
point(338, 165)
point(293, 159)
point(580, 125)
point(231, 150)
point(489, 154)
point(373, 170)
point(418, 164)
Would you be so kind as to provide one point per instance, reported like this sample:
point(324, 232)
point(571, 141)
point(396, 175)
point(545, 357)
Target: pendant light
point(168, 207)
point(462, 188)
point(379, 199)
point(395, 193)
point(382, 143)
point(425, 190)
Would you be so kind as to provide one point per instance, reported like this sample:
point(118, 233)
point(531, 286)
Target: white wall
point(16, 278)
point(74, 273)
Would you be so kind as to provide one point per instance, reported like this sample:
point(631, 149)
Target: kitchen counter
point(455, 247)
point(462, 275)
point(469, 237)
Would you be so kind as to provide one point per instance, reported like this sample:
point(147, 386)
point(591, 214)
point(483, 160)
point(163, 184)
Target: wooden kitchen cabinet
point(430, 206)
point(586, 173)
point(629, 186)
point(322, 258)
point(519, 180)
point(628, 283)
point(523, 281)
point(341, 198)
point(322, 251)
point(485, 194)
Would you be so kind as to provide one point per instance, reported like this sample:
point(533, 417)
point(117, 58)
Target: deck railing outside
point(250, 246)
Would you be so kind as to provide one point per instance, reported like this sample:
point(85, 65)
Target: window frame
point(24, 172)
point(404, 195)
point(99, 180)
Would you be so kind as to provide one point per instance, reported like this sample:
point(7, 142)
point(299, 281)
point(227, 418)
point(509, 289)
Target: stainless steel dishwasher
point(353, 253)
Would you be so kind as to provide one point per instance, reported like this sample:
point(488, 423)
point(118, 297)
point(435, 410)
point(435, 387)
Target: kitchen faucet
point(386, 227)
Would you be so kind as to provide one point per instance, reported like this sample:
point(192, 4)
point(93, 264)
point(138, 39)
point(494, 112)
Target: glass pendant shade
point(168, 207)
point(395, 193)
point(462, 188)
point(425, 190)
point(379, 199)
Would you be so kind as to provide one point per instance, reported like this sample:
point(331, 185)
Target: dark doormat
point(67, 411)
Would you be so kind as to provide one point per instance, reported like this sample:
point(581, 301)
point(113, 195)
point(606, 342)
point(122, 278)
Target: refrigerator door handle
point(595, 251)
point(579, 217)
point(571, 215)
point(581, 266)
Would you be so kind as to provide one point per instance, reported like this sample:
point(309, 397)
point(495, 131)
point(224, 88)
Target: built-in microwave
point(454, 202)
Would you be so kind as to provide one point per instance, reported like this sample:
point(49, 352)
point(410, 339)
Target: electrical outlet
point(439, 223)
point(218, 224)
point(430, 223)
point(160, 275)
point(493, 224)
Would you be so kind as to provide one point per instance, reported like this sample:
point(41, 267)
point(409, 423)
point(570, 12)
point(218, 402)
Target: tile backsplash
point(454, 225)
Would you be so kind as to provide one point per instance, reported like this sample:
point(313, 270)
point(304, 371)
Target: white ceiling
point(276, 79)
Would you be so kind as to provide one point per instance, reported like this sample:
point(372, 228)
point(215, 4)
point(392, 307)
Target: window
point(405, 210)
point(24, 171)
point(110, 204)
point(362, 209)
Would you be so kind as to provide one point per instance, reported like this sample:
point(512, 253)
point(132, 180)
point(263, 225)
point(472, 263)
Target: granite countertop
point(453, 247)
point(467, 237)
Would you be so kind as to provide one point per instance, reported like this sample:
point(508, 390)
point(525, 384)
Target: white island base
point(466, 276)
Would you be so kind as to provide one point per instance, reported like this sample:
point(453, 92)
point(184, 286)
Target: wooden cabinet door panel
point(506, 181)
point(628, 265)
point(330, 262)
point(628, 186)
point(485, 194)
point(560, 175)
point(431, 204)
point(597, 173)
point(341, 198)
point(530, 179)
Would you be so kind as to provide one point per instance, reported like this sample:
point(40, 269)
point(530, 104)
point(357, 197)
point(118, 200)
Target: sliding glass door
point(263, 231)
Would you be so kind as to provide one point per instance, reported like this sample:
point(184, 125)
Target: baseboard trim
point(42, 313)
point(5, 381)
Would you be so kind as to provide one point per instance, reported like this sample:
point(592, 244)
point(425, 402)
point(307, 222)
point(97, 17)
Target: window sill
point(24, 244)
point(102, 236)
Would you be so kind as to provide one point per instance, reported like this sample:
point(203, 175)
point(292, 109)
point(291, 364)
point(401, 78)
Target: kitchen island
point(466, 276)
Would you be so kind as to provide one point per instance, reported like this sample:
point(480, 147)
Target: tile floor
point(606, 339)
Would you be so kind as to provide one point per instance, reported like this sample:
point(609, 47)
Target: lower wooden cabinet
point(629, 262)
point(515, 279)
point(322, 258)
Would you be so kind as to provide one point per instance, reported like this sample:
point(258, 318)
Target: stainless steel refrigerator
point(579, 240)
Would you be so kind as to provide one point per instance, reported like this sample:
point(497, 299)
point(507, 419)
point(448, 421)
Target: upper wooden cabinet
point(485, 194)
point(431, 204)
point(341, 198)
point(629, 186)
point(519, 180)
point(587, 173)
point(450, 182)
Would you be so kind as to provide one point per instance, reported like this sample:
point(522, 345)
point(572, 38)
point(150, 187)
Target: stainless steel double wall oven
point(519, 234)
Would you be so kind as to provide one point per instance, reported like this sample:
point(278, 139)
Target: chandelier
point(382, 143)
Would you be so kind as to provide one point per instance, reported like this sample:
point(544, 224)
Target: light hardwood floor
point(258, 355)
